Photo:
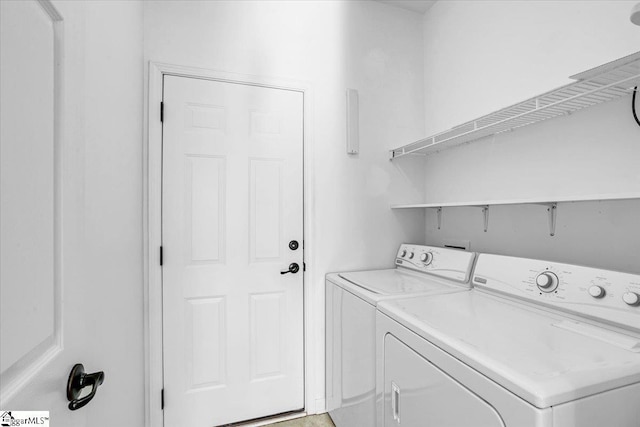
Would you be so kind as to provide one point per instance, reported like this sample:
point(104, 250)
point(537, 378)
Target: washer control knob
point(547, 281)
point(411, 255)
point(426, 257)
point(631, 298)
point(597, 291)
point(403, 253)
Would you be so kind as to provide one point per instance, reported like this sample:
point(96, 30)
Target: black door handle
point(78, 380)
point(293, 268)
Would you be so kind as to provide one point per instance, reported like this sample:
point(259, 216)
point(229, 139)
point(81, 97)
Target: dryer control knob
point(631, 298)
point(597, 291)
point(547, 281)
point(426, 257)
point(411, 255)
point(403, 253)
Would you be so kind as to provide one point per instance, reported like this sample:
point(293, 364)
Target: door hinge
point(161, 255)
point(162, 399)
point(162, 111)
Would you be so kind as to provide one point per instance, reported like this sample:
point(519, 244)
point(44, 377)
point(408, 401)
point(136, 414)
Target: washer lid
point(394, 281)
point(541, 356)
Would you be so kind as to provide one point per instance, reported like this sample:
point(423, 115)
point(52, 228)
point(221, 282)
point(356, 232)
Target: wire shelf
point(596, 86)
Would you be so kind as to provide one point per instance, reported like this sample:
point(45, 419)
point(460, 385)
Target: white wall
point(330, 46)
point(481, 56)
point(102, 217)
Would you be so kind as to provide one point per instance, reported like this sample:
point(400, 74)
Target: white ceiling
point(420, 6)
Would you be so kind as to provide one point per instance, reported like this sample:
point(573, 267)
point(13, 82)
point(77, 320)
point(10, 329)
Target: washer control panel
point(451, 264)
point(599, 294)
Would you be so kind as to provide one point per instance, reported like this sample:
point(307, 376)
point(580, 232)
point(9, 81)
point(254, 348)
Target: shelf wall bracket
point(552, 208)
point(485, 212)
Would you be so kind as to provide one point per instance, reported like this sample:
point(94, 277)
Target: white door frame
point(152, 228)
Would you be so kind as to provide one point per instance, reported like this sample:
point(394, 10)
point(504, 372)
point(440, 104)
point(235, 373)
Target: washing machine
point(534, 344)
point(351, 300)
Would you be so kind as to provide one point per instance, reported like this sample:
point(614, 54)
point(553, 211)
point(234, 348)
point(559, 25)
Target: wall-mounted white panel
point(267, 324)
point(206, 343)
point(353, 122)
point(28, 193)
point(265, 207)
point(205, 209)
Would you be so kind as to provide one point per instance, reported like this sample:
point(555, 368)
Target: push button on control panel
point(597, 291)
point(631, 298)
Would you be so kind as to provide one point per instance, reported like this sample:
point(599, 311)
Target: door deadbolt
point(293, 245)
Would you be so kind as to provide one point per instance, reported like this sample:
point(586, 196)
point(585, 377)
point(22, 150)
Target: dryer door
point(419, 394)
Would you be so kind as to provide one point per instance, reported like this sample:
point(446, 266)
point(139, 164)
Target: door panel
point(204, 209)
point(232, 200)
point(265, 180)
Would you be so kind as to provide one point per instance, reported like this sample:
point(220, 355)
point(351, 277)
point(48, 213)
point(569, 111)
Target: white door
point(60, 275)
point(231, 204)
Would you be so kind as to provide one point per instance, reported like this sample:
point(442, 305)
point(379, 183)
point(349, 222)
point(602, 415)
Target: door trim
point(152, 229)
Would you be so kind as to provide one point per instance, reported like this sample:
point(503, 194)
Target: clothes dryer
point(534, 344)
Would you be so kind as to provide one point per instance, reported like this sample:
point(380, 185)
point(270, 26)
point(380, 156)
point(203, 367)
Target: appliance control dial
point(403, 253)
point(631, 298)
point(597, 291)
point(411, 255)
point(426, 257)
point(547, 281)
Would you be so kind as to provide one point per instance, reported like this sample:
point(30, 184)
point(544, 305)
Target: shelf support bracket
point(485, 212)
point(439, 212)
point(552, 208)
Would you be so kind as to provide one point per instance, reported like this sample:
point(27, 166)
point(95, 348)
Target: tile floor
point(309, 421)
